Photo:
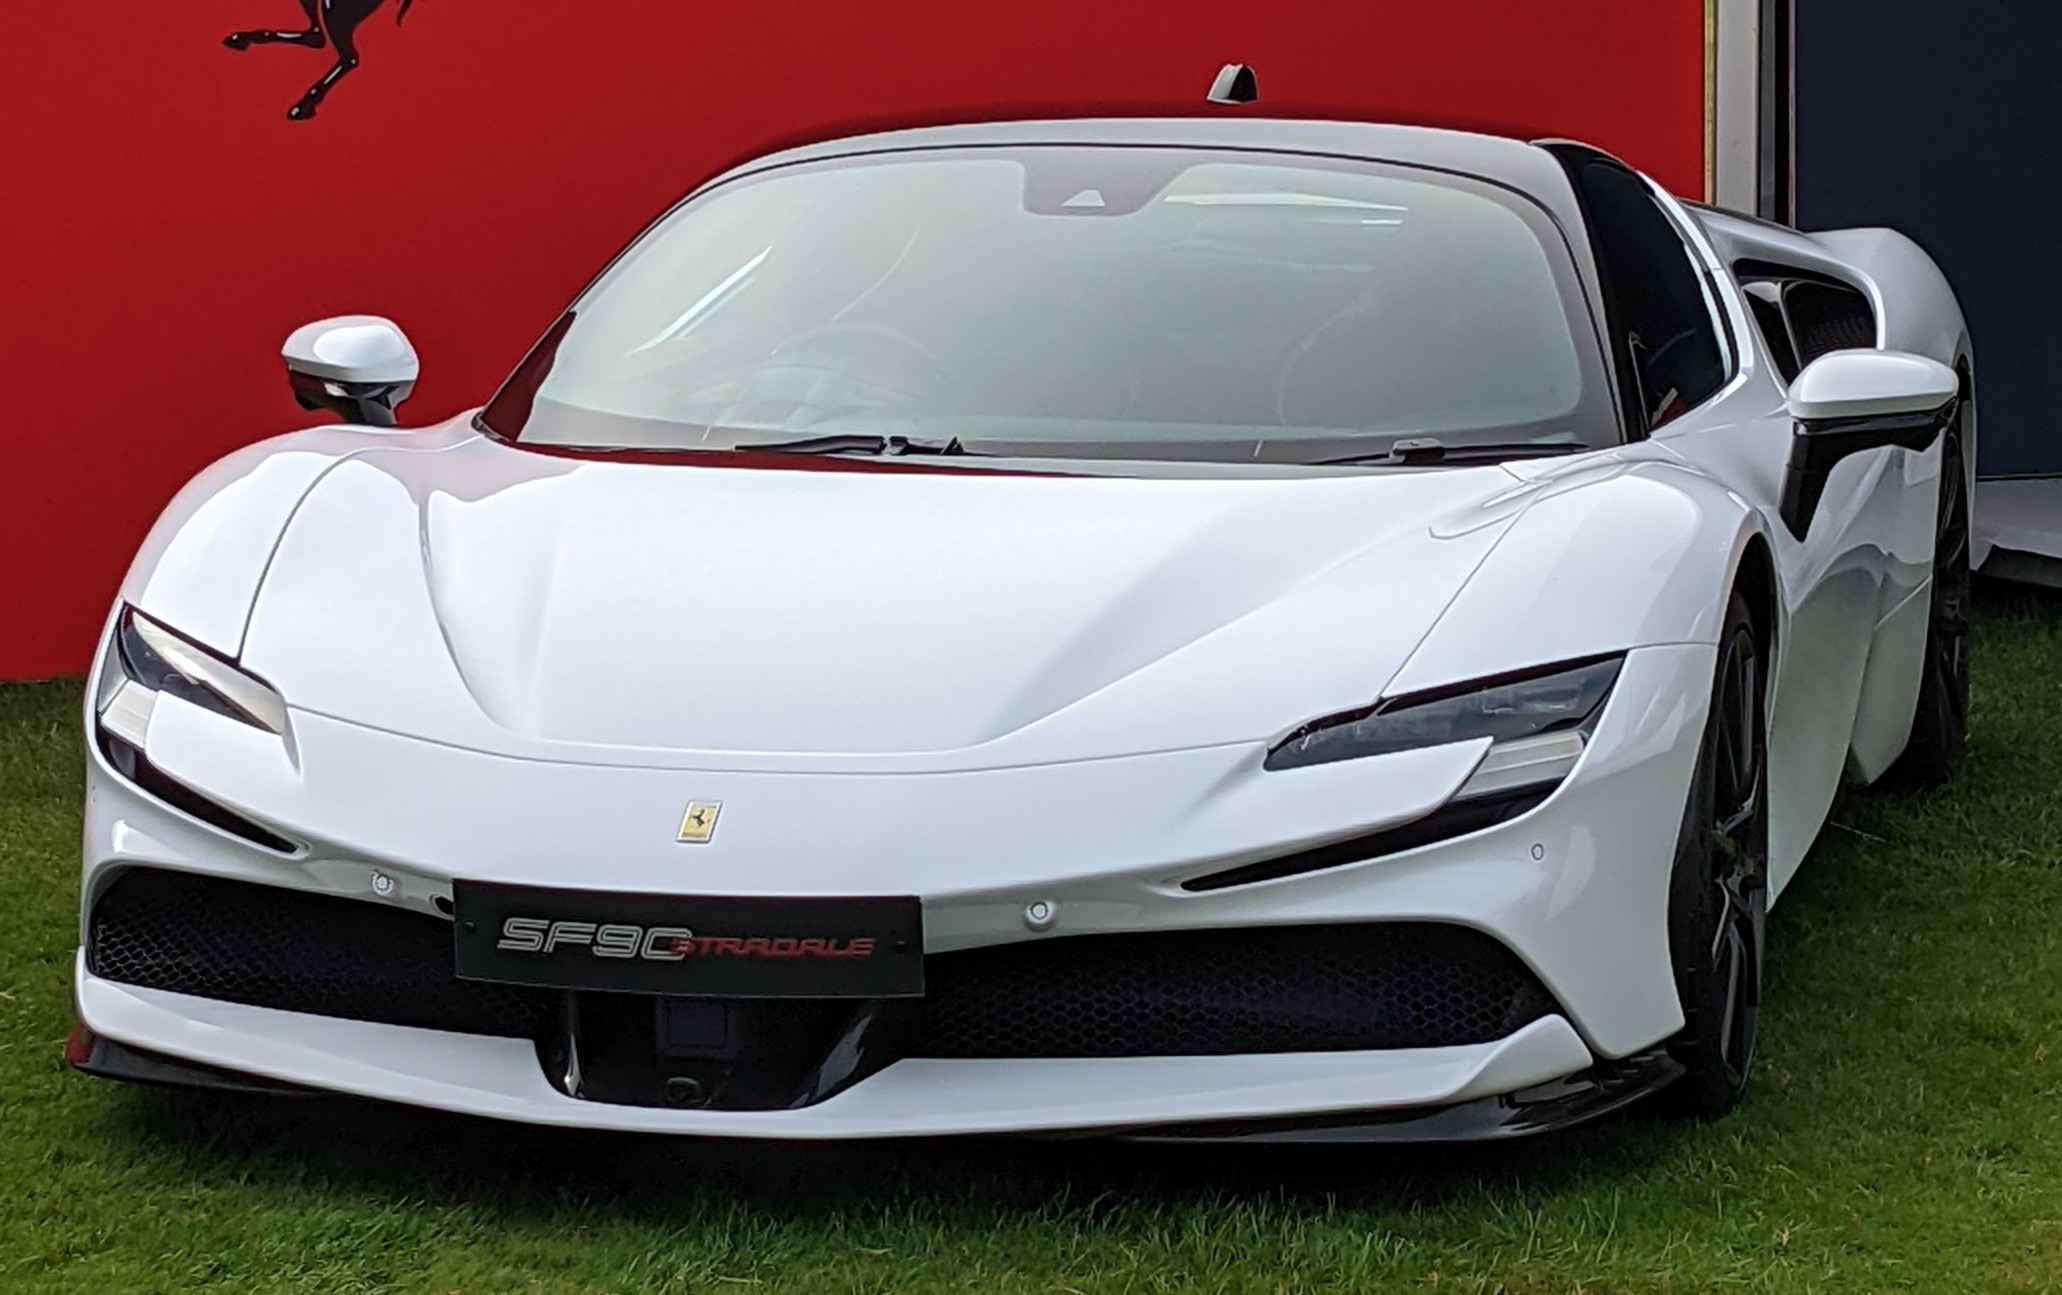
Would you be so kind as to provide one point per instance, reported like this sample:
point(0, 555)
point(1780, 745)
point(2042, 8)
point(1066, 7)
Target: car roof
point(1512, 163)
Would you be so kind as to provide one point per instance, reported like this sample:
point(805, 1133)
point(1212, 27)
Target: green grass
point(1904, 1130)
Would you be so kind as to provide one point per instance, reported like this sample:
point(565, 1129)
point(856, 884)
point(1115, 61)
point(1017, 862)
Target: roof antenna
point(1234, 84)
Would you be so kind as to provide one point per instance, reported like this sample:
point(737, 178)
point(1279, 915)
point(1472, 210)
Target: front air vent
point(1348, 987)
point(1802, 314)
point(1827, 317)
point(296, 951)
point(1455, 818)
point(130, 762)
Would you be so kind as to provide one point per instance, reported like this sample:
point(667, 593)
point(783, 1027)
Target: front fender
point(200, 566)
point(1640, 554)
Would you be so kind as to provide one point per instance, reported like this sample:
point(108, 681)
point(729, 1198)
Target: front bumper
point(1576, 889)
point(500, 1078)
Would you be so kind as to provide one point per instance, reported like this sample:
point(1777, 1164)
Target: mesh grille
point(1827, 318)
point(298, 952)
point(1206, 993)
point(1180, 993)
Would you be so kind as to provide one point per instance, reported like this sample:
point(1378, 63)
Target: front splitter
point(500, 1078)
point(1578, 1099)
point(91, 1054)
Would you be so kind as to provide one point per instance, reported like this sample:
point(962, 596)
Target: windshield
point(1079, 302)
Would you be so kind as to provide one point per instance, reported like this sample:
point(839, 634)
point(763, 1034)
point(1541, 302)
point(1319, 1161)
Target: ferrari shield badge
point(699, 824)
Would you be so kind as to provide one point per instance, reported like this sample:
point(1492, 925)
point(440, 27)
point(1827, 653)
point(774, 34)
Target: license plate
point(689, 945)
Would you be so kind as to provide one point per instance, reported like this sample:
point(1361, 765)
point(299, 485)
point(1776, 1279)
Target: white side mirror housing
point(360, 366)
point(1870, 384)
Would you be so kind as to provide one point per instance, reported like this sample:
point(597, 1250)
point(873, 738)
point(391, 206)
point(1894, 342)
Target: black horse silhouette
point(328, 21)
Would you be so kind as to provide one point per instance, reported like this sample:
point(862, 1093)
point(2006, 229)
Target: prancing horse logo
point(700, 822)
point(329, 21)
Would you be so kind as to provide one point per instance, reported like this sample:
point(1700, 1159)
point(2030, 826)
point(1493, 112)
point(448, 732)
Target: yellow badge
point(700, 823)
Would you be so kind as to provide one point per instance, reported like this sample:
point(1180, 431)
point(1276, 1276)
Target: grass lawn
point(1904, 1130)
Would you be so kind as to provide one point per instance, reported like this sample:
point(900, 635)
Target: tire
point(1940, 721)
point(1718, 890)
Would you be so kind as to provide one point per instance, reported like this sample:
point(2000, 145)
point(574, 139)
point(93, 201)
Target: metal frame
point(1750, 107)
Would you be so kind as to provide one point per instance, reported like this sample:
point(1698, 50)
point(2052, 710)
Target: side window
point(1668, 347)
point(1803, 315)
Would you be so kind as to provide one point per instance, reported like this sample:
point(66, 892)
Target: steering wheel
point(1646, 361)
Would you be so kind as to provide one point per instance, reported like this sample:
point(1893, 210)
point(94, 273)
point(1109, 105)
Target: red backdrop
point(165, 225)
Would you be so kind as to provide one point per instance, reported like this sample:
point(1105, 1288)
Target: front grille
point(1172, 993)
point(1207, 993)
point(266, 946)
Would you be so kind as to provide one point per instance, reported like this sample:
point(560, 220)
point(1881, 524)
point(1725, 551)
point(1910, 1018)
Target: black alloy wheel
point(1940, 723)
point(1718, 893)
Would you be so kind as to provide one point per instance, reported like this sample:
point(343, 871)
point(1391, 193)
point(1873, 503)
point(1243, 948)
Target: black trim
point(369, 404)
point(1455, 818)
point(1752, 267)
point(1563, 1103)
point(1773, 325)
point(103, 1058)
point(1447, 692)
point(1821, 443)
point(132, 764)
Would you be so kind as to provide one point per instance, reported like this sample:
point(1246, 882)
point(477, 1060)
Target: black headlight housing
point(147, 661)
point(1538, 723)
point(162, 661)
point(1564, 697)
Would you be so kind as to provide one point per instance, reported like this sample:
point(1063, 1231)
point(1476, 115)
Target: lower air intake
point(267, 946)
point(1326, 988)
point(1211, 993)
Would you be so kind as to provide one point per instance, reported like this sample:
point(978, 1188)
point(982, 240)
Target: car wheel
point(1940, 723)
point(1718, 892)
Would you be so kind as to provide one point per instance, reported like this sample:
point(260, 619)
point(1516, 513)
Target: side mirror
point(1849, 401)
point(360, 366)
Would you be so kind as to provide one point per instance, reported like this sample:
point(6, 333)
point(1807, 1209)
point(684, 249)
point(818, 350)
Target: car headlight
point(1537, 723)
point(149, 660)
point(146, 661)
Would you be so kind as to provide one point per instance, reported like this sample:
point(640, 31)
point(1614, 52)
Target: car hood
point(499, 598)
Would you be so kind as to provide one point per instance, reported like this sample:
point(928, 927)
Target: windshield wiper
point(856, 444)
point(1415, 450)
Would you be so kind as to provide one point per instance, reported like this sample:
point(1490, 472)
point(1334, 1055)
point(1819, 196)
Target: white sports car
point(1182, 628)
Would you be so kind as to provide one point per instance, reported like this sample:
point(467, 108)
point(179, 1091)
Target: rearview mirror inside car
point(1846, 402)
point(359, 366)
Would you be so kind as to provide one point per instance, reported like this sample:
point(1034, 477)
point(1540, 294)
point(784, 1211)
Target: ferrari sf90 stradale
point(1209, 628)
